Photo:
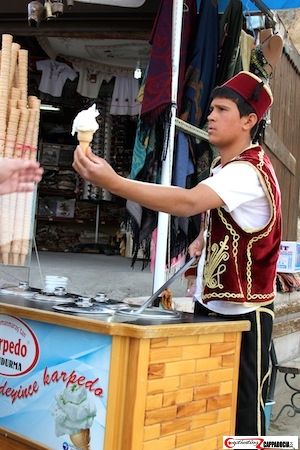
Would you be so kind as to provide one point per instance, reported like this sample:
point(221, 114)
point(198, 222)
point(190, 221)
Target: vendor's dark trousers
point(254, 369)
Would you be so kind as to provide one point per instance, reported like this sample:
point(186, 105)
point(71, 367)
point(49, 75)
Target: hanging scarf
point(199, 82)
point(157, 95)
point(201, 70)
point(230, 30)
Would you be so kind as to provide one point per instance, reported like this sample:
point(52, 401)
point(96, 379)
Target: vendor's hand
point(94, 169)
point(196, 247)
point(18, 175)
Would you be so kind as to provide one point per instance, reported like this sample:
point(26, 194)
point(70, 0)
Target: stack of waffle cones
point(19, 125)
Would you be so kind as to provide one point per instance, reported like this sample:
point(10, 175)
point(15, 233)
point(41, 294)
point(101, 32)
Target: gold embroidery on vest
point(235, 243)
point(213, 268)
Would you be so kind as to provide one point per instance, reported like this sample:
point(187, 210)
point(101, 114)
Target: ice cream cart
point(88, 381)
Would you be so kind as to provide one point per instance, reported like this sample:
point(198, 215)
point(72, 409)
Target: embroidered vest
point(240, 266)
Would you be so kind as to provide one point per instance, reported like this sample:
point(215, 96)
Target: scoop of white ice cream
point(86, 120)
point(73, 411)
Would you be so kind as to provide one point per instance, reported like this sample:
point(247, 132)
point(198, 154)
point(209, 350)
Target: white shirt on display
point(54, 76)
point(90, 80)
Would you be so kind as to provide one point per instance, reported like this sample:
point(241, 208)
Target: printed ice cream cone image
point(81, 440)
point(74, 415)
point(85, 125)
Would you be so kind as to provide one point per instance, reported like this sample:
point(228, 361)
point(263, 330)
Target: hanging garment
point(183, 164)
point(157, 95)
point(155, 117)
point(201, 69)
point(143, 145)
point(124, 98)
point(230, 29)
point(258, 64)
point(54, 76)
point(246, 46)
point(199, 82)
point(145, 162)
point(90, 79)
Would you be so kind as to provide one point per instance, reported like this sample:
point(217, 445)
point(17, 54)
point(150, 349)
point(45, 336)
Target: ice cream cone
point(84, 139)
point(81, 440)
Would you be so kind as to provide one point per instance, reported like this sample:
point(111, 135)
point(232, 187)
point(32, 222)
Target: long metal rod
point(191, 129)
point(264, 9)
point(166, 174)
point(164, 286)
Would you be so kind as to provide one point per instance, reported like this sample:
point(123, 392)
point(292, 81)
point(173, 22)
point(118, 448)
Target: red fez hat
point(253, 90)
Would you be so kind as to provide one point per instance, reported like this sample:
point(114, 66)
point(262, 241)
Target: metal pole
point(163, 218)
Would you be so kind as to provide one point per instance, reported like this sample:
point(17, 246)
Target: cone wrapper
point(84, 139)
point(81, 440)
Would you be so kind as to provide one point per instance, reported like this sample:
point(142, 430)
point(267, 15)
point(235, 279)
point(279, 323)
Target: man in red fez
point(237, 269)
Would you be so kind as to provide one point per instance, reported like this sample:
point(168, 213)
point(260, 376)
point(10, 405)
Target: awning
point(270, 4)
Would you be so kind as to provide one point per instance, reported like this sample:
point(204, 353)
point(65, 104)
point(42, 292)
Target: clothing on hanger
point(54, 76)
point(258, 63)
point(90, 79)
point(246, 46)
point(124, 99)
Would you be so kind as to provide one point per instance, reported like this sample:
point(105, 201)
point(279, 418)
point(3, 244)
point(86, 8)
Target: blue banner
point(271, 4)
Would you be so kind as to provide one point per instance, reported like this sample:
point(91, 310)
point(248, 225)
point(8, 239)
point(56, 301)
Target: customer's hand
point(18, 175)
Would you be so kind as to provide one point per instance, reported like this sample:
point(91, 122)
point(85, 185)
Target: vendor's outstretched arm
point(173, 200)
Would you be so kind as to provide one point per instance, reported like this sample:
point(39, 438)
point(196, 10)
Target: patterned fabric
point(198, 83)
point(150, 144)
point(258, 62)
point(201, 70)
point(230, 29)
point(143, 146)
point(240, 266)
point(157, 95)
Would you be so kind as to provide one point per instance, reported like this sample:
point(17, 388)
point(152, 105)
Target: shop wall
point(283, 136)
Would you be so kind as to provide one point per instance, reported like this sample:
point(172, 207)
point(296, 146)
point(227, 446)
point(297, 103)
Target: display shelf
point(64, 219)
point(57, 193)
point(94, 211)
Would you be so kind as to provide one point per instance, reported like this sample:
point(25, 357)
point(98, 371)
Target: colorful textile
point(157, 95)
point(143, 145)
point(258, 62)
point(230, 30)
point(201, 70)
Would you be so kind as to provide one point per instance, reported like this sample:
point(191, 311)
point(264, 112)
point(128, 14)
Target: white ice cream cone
point(81, 440)
point(84, 139)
